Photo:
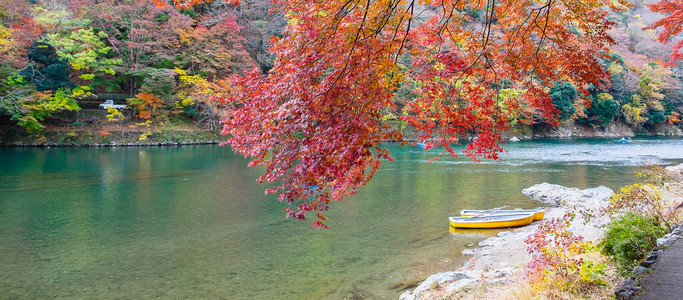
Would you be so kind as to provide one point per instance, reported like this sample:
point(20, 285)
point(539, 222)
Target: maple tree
point(671, 24)
point(314, 121)
point(145, 104)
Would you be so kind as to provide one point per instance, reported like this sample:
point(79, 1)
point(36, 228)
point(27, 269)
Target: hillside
point(172, 69)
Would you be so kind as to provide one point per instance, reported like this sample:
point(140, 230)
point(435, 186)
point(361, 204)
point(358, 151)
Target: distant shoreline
point(171, 138)
point(98, 139)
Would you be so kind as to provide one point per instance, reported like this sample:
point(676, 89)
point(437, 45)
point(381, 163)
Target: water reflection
point(191, 222)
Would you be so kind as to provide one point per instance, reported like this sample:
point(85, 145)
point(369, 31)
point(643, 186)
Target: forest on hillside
point(164, 62)
point(171, 64)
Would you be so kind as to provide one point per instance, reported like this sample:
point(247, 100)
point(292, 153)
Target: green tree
point(603, 110)
point(563, 95)
point(47, 70)
point(85, 51)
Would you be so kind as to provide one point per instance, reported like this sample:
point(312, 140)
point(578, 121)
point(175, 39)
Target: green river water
point(190, 222)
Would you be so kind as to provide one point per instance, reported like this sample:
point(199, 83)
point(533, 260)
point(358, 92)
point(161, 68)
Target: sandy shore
point(499, 261)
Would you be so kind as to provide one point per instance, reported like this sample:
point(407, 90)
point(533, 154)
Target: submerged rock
point(558, 195)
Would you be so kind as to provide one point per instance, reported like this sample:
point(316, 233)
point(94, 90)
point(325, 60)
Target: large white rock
point(440, 278)
point(676, 170)
point(559, 195)
point(458, 285)
point(407, 295)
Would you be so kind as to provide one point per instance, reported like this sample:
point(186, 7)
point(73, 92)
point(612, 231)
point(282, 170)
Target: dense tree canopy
point(316, 118)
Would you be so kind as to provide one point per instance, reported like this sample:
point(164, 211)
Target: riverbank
point(496, 269)
point(139, 134)
point(521, 131)
point(113, 137)
point(572, 130)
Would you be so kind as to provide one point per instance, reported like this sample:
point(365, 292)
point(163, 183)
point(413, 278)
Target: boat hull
point(538, 213)
point(497, 221)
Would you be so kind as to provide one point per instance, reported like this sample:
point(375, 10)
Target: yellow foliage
point(616, 69)
point(184, 103)
point(145, 123)
point(604, 97)
point(145, 135)
point(634, 113)
point(81, 91)
point(5, 39)
point(180, 71)
point(114, 114)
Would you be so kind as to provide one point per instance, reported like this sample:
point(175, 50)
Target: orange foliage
point(674, 118)
point(672, 24)
point(145, 104)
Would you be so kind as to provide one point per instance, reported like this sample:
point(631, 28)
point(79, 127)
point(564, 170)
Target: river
point(190, 222)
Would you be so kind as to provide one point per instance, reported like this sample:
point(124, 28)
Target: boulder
point(440, 278)
point(514, 139)
point(676, 170)
point(557, 195)
point(458, 285)
point(407, 295)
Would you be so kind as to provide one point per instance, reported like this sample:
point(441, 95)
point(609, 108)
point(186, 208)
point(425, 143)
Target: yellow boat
point(492, 221)
point(539, 213)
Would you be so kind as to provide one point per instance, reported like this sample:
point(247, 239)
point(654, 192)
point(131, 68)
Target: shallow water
point(190, 222)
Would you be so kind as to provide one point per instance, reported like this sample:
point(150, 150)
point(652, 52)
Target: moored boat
point(492, 221)
point(539, 213)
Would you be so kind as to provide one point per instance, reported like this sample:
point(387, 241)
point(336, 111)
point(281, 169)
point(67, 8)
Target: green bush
point(563, 95)
point(629, 238)
point(655, 116)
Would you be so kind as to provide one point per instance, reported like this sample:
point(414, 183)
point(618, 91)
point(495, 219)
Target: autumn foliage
point(315, 118)
point(671, 24)
point(558, 260)
point(145, 104)
point(188, 3)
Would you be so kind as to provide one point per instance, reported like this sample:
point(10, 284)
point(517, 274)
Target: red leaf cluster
point(671, 25)
point(316, 118)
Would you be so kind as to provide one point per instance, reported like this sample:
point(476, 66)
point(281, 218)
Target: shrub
point(603, 110)
point(145, 104)
point(644, 199)
point(558, 260)
point(629, 238)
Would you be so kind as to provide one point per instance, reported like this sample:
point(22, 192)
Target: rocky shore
point(498, 261)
